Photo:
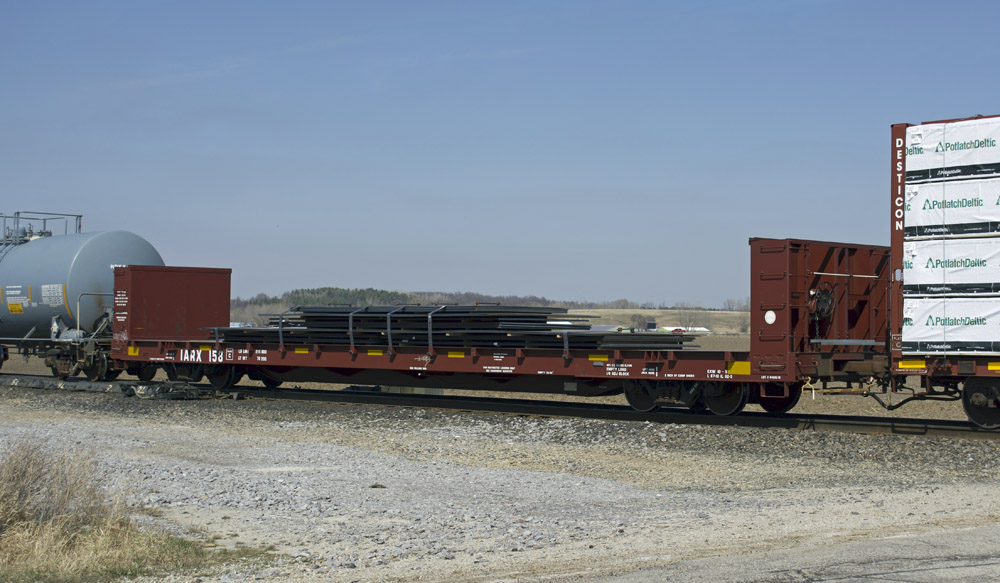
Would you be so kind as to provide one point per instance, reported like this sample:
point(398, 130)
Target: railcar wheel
point(725, 398)
point(780, 405)
point(57, 374)
point(223, 378)
point(195, 374)
point(191, 373)
point(981, 400)
point(270, 383)
point(96, 371)
point(146, 372)
point(641, 395)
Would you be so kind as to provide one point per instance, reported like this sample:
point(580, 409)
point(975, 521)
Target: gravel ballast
point(363, 493)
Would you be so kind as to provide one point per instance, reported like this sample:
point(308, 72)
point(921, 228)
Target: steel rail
point(664, 415)
point(540, 408)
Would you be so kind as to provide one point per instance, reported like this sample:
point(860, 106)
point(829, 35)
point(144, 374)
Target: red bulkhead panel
point(169, 303)
point(815, 297)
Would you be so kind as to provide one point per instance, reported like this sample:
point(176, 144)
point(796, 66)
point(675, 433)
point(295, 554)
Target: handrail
point(350, 327)
point(11, 237)
point(80, 297)
point(430, 330)
point(388, 325)
point(281, 329)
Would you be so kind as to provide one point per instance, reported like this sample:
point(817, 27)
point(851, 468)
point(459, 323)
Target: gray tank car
point(56, 290)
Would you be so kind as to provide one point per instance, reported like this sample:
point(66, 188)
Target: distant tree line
point(736, 305)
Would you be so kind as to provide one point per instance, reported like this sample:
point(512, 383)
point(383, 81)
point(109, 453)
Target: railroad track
point(833, 423)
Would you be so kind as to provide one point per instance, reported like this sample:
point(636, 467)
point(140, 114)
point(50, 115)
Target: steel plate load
point(444, 327)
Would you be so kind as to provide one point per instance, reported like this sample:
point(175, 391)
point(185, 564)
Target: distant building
point(607, 327)
point(686, 329)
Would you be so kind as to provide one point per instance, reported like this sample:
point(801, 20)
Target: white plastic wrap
point(956, 208)
point(952, 266)
point(944, 151)
point(951, 325)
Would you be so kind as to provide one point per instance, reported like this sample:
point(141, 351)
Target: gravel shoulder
point(352, 493)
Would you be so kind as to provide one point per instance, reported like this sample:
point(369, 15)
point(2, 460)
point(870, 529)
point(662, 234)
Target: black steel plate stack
point(478, 326)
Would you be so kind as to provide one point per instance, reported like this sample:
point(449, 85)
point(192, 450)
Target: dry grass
point(59, 524)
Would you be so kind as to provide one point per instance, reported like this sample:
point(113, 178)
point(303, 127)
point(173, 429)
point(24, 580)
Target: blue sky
point(585, 150)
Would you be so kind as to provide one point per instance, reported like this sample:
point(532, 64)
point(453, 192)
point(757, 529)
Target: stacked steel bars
point(480, 326)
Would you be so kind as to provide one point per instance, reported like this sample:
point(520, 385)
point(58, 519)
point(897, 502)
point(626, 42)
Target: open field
point(717, 321)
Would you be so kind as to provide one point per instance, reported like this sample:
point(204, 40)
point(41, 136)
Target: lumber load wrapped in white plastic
point(951, 325)
point(952, 266)
point(956, 150)
point(955, 208)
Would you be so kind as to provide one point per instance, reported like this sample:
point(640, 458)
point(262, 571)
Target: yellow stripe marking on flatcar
point(911, 364)
point(597, 357)
point(374, 352)
point(738, 367)
point(206, 348)
point(301, 351)
point(456, 354)
point(993, 366)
